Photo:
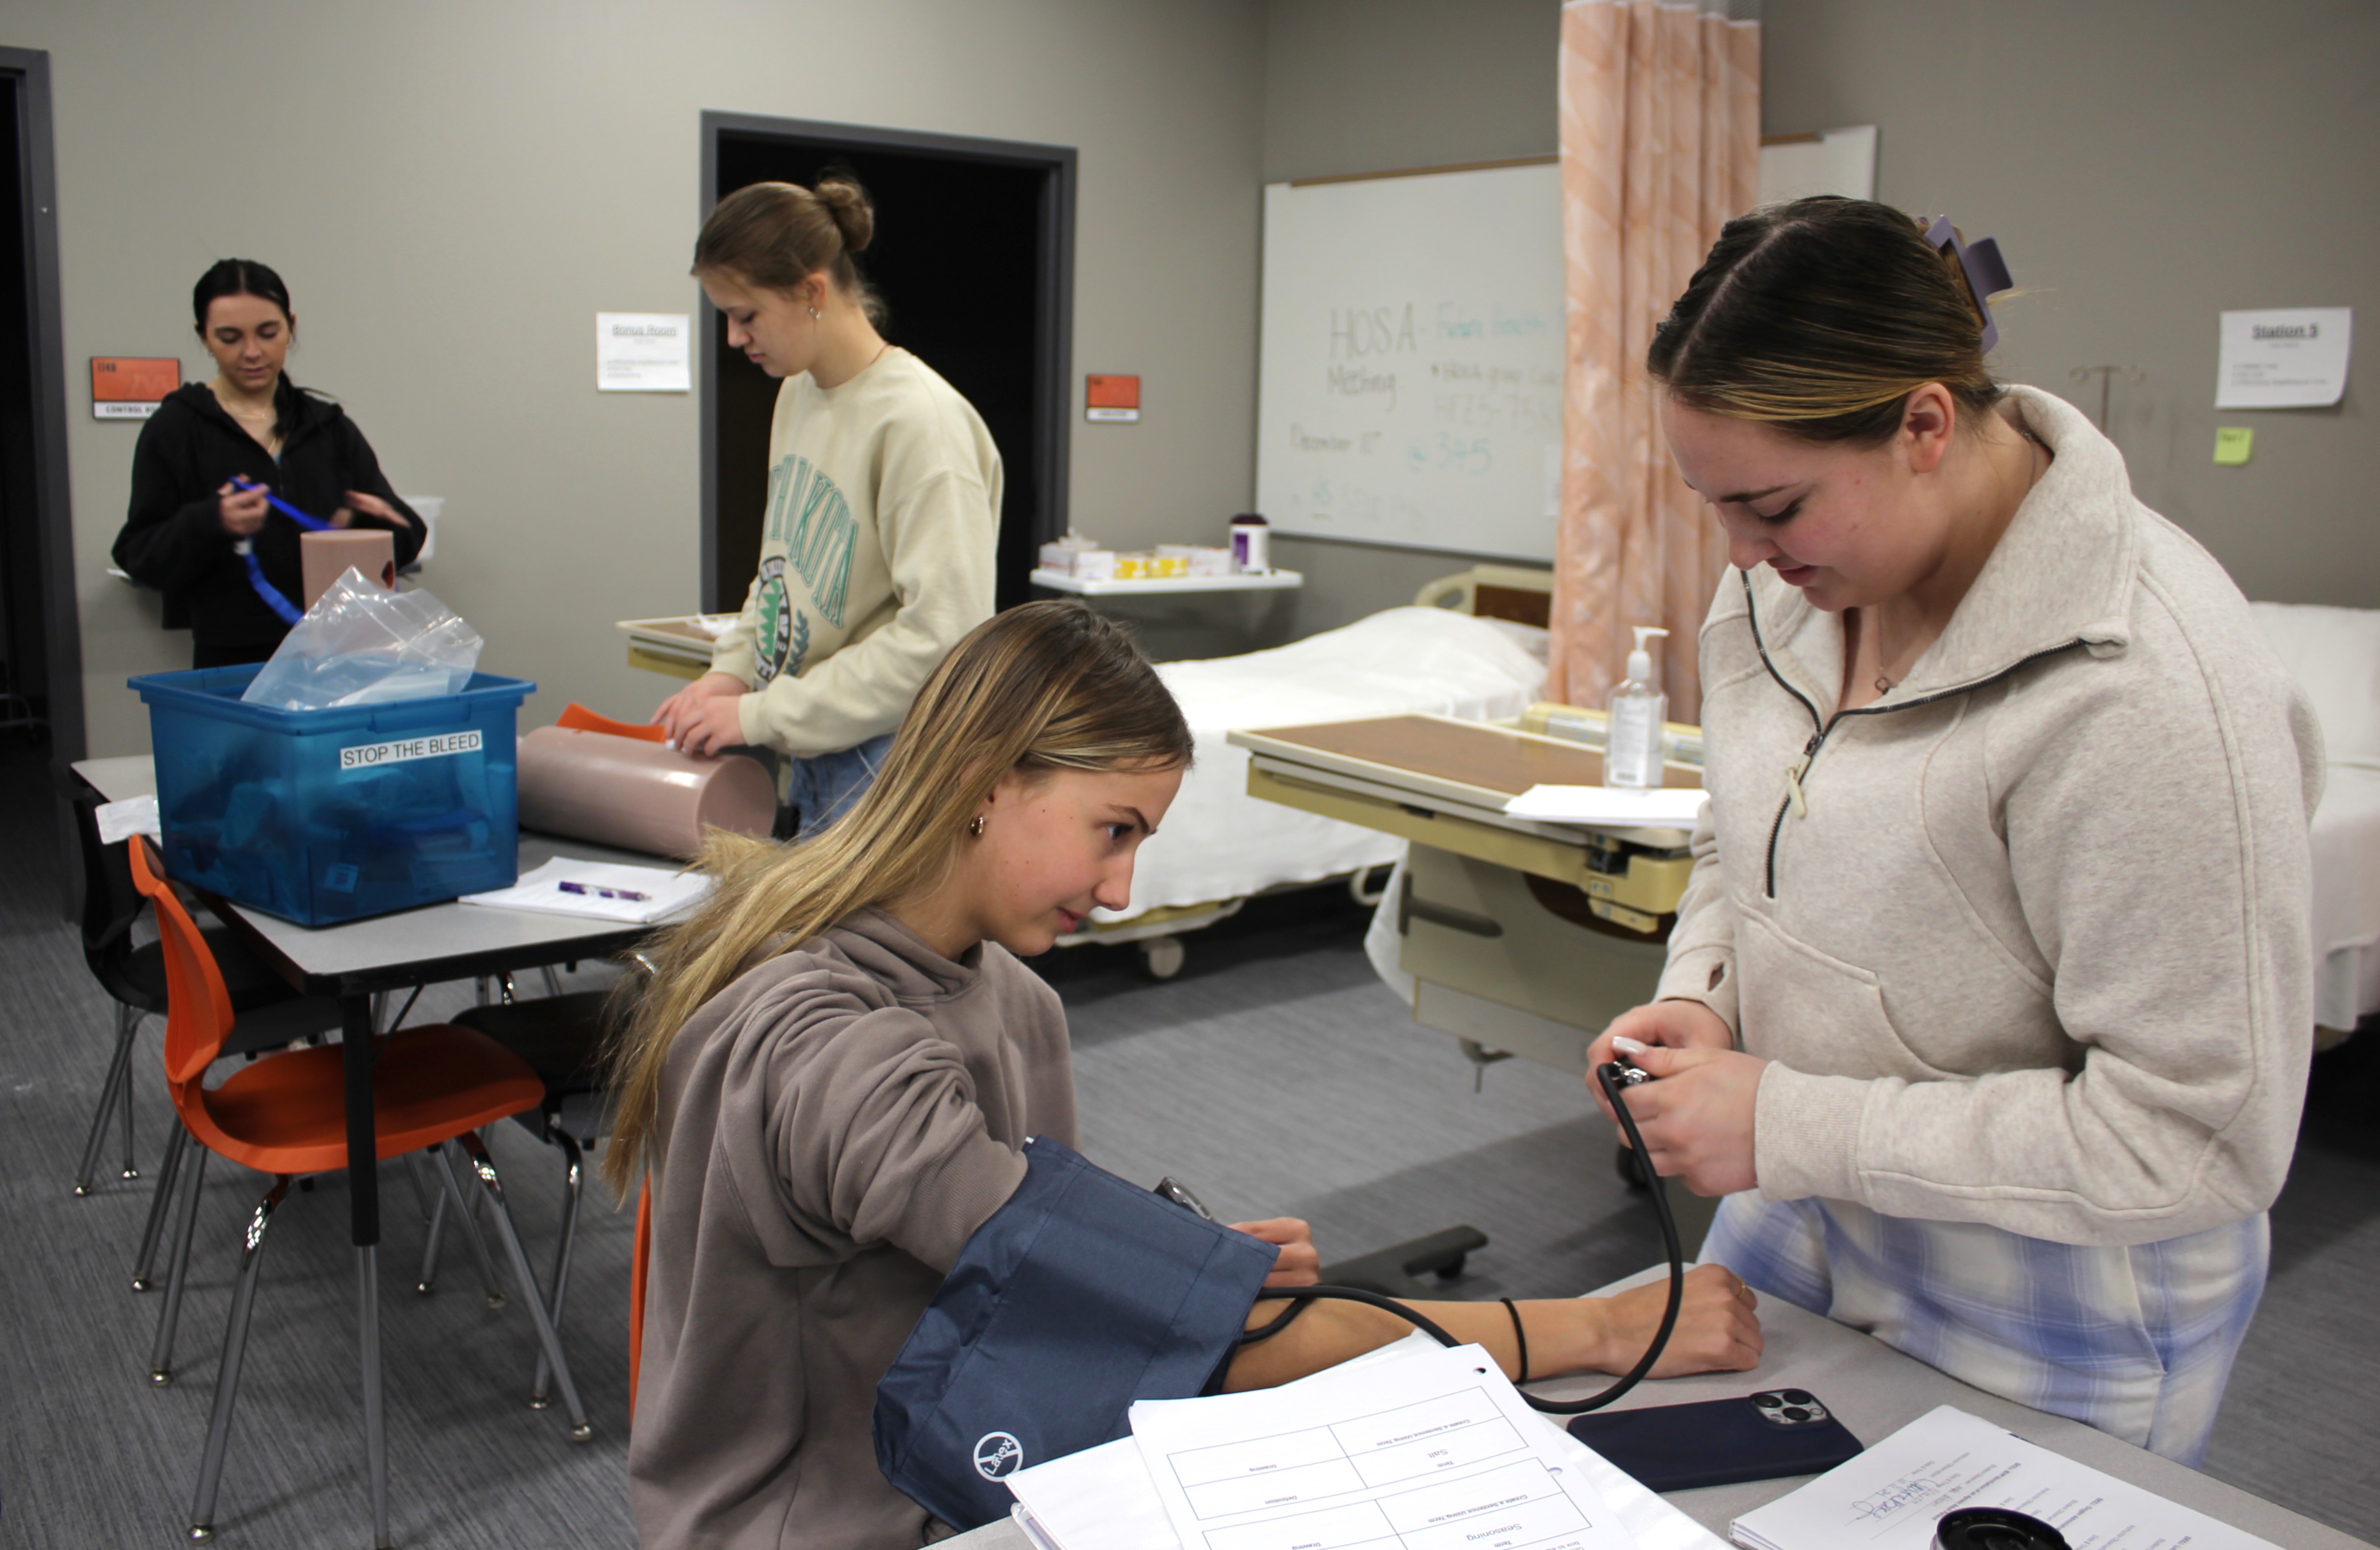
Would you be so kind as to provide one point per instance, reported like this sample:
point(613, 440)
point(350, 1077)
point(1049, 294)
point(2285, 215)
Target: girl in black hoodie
point(188, 520)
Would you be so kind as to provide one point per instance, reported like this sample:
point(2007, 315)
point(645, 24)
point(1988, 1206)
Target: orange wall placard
point(1111, 397)
point(130, 387)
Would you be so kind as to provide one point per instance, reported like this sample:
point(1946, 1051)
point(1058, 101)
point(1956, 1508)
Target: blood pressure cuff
point(1079, 1296)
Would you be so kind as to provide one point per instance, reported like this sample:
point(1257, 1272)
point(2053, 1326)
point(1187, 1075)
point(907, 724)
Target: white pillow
point(2334, 653)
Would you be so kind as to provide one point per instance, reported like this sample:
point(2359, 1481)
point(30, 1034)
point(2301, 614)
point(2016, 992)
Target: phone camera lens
point(1768, 1401)
point(1795, 1412)
point(1799, 1397)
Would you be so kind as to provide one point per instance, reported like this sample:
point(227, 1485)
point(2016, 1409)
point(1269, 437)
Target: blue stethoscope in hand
point(246, 549)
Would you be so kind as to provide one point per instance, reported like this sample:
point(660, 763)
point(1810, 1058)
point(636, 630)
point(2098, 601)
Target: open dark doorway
point(974, 253)
point(41, 657)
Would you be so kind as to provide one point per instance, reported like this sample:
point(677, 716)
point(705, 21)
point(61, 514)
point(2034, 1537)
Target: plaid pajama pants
point(2137, 1341)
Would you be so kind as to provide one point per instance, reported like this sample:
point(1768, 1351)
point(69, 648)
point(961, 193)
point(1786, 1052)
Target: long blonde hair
point(1041, 688)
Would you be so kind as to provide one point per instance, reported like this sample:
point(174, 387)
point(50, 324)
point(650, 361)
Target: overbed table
point(355, 961)
point(1875, 1390)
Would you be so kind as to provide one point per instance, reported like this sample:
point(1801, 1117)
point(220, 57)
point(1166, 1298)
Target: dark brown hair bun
point(774, 235)
point(1820, 317)
point(854, 212)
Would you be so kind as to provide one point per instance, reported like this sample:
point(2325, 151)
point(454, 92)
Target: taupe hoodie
point(834, 1127)
point(2036, 955)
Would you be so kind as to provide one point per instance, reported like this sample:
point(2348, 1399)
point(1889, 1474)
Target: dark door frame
point(1055, 356)
point(47, 335)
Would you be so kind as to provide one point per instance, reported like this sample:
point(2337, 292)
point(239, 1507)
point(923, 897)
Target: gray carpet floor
point(1274, 1076)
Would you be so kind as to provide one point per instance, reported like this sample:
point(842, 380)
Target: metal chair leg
point(161, 1354)
point(169, 1173)
point(123, 1093)
point(375, 1419)
point(243, 1304)
point(119, 1081)
point(427, 1282)
point(463, 1219)
point(482, 1165)
point(413, 1177)
point(571, 1170)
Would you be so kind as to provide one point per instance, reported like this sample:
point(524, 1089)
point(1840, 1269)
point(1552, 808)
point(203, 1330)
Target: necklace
point(1884, 680)
point(258, 421)
point(2033, 449)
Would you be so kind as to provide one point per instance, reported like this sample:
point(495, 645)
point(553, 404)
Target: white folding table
point(359, 960)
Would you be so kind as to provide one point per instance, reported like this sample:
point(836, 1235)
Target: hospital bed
point(1471, 649)
point(2334, 653)
point(1525, 939)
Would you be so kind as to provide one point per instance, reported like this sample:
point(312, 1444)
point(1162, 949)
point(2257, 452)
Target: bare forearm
point(1563, 1335)
point(1717, 1330)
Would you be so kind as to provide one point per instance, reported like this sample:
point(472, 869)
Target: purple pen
point(601, 892)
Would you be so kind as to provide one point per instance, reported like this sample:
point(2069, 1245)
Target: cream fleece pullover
point(883, 516)
point(2037, 953)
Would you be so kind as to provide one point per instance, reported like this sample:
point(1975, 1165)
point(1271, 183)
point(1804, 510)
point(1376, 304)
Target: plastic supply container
point(327, 816)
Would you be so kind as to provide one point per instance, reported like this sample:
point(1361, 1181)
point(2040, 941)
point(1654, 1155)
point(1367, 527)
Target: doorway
point(974, 254)
point(40, 654)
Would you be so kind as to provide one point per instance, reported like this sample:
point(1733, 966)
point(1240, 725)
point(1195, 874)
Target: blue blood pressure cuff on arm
point(1079, 1296)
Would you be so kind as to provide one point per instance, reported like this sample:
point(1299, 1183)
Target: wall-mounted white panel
point(1411, 380)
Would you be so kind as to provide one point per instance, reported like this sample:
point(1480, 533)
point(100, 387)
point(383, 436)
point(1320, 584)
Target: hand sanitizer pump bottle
point(1631, 755)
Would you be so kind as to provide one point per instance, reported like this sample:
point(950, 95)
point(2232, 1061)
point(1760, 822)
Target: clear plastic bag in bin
point(361, 644)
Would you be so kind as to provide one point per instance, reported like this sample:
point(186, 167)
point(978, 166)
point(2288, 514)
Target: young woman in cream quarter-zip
point(882, 511)
point(1988, 1006)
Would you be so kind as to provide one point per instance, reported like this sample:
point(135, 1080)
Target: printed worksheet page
point(1433, 1451)
point(1890, 1497)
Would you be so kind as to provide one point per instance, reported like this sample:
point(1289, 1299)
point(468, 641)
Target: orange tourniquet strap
point(637, 1288)
point(575, 717)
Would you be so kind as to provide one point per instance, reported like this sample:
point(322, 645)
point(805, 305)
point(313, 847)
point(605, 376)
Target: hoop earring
point(975, 827)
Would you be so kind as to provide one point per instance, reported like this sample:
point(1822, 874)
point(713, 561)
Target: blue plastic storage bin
point(326, 816)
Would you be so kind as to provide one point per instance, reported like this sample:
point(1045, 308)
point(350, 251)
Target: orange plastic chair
point(575, 717)
point(285, 1115)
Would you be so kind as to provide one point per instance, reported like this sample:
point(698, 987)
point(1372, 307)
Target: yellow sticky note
point(2232, 443)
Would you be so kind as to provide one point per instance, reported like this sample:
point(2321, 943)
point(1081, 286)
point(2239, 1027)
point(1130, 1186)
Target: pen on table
point(601, 892)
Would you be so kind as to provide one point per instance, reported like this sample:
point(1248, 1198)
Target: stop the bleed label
point(439, 745)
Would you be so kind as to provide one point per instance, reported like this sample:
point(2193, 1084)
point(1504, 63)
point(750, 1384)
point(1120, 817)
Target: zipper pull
point(1794, 771)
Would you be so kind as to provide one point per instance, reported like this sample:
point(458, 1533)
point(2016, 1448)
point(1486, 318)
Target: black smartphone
point(1767, 1436)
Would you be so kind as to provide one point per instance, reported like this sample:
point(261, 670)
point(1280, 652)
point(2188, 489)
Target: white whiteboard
point(1411, 389)
point(1830, 161)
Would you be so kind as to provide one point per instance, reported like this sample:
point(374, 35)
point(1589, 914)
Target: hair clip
point(1986, 272)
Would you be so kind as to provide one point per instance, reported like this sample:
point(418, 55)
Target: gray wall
point(454, 189)
point(1378, 86)
point(2145, 165)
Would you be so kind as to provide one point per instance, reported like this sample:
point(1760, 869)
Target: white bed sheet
point(2334, 654)
point(1219, 842)
point(2346, 898)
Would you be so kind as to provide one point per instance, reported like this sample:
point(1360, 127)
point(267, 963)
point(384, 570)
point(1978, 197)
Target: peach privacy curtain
point(1660, 147)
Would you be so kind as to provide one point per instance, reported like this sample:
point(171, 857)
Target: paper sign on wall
point(1107, 396)
point(2287, 358)
point(643, 352)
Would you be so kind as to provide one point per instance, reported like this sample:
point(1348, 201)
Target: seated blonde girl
point(830, 1085)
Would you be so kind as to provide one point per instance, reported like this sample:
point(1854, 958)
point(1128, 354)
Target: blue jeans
point(826, 787)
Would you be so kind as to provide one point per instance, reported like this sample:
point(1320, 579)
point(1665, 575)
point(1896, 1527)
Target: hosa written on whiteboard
point(1412, 381)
